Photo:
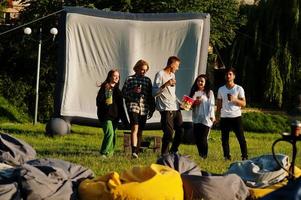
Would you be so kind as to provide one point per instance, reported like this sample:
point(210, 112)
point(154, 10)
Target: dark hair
point(230, 69)
point(139, 64)
point(110, 77)
point(207, 86)
point(172, 59)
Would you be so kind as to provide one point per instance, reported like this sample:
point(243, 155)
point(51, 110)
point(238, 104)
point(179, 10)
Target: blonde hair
point(139, 64)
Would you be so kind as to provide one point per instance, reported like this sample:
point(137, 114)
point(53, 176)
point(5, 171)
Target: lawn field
point(82, 147)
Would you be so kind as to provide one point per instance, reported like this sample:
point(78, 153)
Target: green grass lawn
point(82, 147)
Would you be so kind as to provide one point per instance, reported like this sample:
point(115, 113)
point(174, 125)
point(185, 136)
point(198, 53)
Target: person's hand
point(217, 120)
point(107, 86)
point(137, 89)
point(172, 82)
point(98, 83)
point(197, 102)
point(150, 113)
point(231, 98)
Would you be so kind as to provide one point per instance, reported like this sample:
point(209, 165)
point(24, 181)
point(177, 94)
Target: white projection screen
point(94, 42)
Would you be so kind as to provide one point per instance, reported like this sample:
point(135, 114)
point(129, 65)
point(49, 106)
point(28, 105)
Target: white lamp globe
point(27, 31)
point(53, 31)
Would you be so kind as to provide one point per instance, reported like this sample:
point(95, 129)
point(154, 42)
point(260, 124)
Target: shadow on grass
point(14, 130)
point(68, 152)
point(31, 131)
point(82, 133)
point(72, 153)
point(8, 115)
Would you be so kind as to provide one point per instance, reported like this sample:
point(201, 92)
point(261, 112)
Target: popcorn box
point(186, 102)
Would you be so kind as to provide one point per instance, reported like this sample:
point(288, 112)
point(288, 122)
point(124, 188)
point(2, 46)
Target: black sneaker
point(134, 155)
point(244, 158)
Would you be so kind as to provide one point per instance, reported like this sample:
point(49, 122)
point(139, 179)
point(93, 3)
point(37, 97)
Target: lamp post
point(28, 31)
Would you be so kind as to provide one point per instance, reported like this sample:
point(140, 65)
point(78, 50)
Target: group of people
point(142, 98)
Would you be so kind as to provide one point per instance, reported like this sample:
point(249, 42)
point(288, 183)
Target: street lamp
point(28, 31)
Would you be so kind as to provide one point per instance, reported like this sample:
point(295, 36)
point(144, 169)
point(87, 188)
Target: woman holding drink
point(110, 109)
point(203, 115)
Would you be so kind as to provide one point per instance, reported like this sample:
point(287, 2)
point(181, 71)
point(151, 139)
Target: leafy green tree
point(268, 52)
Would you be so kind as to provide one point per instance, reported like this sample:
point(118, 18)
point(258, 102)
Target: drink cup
point(173, 82)
point(138, 88)
point(109, 100)
point(198, 100)
point(229, 96)
point(109, 97)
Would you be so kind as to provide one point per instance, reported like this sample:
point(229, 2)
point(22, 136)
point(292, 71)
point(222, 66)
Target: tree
point(268, 52)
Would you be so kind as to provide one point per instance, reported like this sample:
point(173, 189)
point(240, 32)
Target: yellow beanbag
point(147, 183)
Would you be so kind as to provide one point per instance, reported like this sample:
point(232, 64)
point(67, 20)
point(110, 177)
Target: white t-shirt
point(229, 109)
point(203, 112)
point(166, 99)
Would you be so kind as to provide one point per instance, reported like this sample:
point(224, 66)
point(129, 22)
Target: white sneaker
point(134, 155)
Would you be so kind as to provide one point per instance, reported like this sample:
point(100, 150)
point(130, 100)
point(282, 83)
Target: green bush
point(9, 113)
point(16, 91)
point(261, 122)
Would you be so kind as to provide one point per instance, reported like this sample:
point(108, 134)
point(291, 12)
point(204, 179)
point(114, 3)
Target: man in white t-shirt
point(230, 99)
point(164, 91)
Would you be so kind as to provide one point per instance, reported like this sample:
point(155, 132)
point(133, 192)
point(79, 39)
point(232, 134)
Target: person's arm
point(157, 90)
point(125, 88)
point(212, 106)
point(240, 100)
point(121, 109)
point(100, 96)
point(150, 99)
point(159, 86)
point(219, 104)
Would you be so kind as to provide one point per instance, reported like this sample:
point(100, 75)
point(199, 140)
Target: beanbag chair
point(9, 178)
point(198, 184)
point(139, 183)
point(229, 187)
point(261, 171)
point(15, 151)
point(181, 163)
point(52, 179)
